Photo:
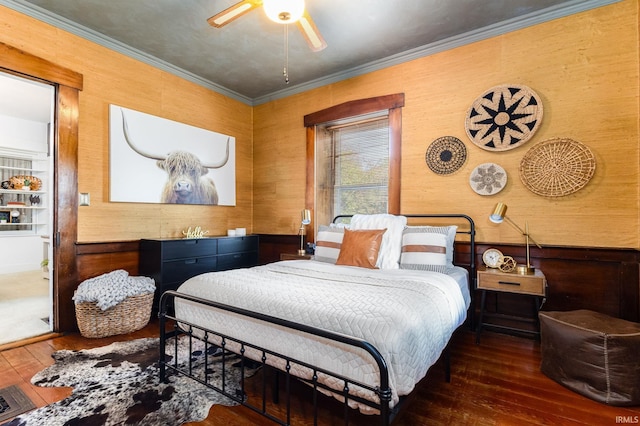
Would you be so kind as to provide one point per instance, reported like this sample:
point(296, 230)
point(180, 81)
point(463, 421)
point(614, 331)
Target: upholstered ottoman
point(592, 354)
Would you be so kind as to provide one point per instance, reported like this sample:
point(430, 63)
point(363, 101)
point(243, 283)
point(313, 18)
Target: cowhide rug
point(119, 384)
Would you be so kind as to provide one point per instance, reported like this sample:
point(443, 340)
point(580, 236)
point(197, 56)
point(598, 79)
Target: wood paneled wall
point(603, 280)
point(584, 67)
point(113, 78)
point(93, 259)
point(599, 279)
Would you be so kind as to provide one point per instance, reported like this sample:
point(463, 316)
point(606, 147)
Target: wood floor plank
point(8, 375)
point(42, 351)
point(23, 362)
point(497, 382)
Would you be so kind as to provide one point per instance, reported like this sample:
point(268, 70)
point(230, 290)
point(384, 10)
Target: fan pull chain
point(285, 73)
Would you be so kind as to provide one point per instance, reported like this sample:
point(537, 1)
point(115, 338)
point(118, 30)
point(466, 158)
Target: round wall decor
point(557, 167)
point(504, 117)
point(488, 179)
point(446, 155)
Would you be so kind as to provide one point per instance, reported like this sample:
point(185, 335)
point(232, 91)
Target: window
point(353, 158)
point(352, 167)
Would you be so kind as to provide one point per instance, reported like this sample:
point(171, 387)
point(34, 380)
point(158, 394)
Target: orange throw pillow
point(360, 248)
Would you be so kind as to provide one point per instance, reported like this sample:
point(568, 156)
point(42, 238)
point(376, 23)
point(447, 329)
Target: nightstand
point(294, 256)
point(534, 285)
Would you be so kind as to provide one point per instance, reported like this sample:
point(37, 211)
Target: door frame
point(67, 84)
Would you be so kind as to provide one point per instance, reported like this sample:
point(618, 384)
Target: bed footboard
point(259, 403)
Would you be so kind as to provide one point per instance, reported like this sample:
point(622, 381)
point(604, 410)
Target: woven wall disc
point(488, 179)
point(504, 117)
point(446, 155)
point(557, 167)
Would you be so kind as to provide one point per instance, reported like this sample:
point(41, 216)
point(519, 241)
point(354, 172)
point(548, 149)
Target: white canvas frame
point(138, 179)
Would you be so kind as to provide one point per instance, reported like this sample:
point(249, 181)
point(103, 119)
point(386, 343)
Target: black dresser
point(171, 261)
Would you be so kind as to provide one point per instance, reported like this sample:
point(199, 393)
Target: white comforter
point(409, 316)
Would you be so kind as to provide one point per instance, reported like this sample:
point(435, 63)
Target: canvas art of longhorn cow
point(186, 183)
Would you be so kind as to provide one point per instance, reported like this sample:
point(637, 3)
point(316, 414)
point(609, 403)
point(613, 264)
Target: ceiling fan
point(280, 11)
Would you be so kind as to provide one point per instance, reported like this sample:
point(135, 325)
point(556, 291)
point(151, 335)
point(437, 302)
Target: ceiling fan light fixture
point(284, 11)
point(311, 33)
point(230, 14)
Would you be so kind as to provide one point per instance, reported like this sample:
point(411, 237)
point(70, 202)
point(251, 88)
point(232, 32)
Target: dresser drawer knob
point(508, 283)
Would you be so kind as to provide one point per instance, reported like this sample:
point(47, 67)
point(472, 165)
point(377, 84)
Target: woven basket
point(504, 117)
point(131, 314)
point(18, 182)
point(557, 167)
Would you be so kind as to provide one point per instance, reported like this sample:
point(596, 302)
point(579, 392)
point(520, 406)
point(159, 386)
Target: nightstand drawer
point(533, 286)
point(512, 283)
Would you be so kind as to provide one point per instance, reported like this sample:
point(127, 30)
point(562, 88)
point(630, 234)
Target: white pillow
point(424, 250)
point(389, 255)
point(448, 231)
point(328, 243)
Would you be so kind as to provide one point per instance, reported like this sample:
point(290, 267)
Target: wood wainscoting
point(99, 258)
point(601, 279)
point(272, 246)
point(96, 258)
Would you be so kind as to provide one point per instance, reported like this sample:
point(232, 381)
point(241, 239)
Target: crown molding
point(555, 12)
point(58, 21)
point(549, 14)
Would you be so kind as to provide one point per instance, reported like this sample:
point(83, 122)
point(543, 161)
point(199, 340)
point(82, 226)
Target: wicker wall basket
point(131, 314)
point(446, 155)
point(504, 117)
point(557, 167)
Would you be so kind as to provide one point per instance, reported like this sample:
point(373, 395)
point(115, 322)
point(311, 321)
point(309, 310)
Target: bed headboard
point(466, 227)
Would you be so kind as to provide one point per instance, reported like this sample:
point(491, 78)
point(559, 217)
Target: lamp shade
point(498, 214)
point(306, 216)
point(284, 11)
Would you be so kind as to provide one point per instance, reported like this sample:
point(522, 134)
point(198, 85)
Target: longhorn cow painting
point(155, 160)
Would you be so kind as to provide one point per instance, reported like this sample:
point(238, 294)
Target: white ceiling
point(245, 59)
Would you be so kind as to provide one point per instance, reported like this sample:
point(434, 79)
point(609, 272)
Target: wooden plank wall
point(113, 78)
point(585, 68)
point(603, 280)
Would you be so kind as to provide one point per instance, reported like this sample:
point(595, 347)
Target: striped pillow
point(328, 243)
point(449, 231)
point(424, 250)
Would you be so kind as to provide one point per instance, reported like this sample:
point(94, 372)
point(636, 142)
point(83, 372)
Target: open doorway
point(26, 214)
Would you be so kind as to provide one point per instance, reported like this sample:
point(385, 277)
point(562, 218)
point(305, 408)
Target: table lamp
point(305, 220)
point(498, 215)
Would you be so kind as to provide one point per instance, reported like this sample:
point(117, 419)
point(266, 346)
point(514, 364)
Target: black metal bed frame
point(186, 328)
point(382, 391)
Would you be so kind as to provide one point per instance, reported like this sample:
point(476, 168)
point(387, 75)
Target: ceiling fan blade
point(237, 10)
point(311, 33)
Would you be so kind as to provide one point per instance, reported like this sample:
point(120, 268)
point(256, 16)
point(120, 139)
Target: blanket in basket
point(113, 303)
point(107, 290)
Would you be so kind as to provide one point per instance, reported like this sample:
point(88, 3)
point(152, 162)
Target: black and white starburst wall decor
point(504, 117)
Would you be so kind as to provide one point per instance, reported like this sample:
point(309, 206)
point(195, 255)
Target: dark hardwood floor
point(497, 382)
